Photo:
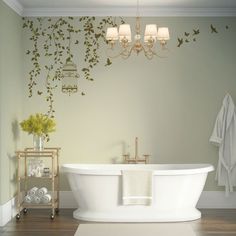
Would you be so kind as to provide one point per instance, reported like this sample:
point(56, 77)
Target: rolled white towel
point(32, 191)
point(36, 199)
point(28, 199)
point(46, 198)
point(41, 192)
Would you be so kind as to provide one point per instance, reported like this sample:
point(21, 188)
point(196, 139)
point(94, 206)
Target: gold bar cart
point(23, 179)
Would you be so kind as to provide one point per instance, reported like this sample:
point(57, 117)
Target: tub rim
point(98, 169)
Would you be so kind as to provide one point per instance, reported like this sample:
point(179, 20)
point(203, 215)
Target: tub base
point(188, 215)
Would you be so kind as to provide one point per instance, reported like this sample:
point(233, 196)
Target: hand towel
point(137, 187)
point(32, 191)
point(28, 199)
point(46, 198)
point(41, 192)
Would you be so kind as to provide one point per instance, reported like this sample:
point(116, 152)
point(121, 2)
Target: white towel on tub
point(137, 187)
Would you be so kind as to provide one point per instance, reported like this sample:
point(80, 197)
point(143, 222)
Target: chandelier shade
point(125, 30)
point(112, 33)
point(151, 31)
point(163, 33)
point(125, 33)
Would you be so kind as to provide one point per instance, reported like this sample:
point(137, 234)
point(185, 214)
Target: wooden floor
point(214, 222)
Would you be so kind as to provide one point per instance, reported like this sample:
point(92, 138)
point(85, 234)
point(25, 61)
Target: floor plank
point(214, 222)
point(38, 222)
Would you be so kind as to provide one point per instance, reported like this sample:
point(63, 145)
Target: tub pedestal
point(151, 216)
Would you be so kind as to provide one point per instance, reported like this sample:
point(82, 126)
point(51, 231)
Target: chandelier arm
point(112, 56)
point(146, 52)
point(149, 51)
point(125, 56)
point(157, 55)
point(123, 53)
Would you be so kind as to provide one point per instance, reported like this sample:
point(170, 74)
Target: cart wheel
point(25, 210)
point(18, 216)
point(52, 217)
point(57, 211)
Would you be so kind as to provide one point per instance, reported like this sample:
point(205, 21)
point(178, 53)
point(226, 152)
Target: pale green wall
point(10, 97)
point(170, 104)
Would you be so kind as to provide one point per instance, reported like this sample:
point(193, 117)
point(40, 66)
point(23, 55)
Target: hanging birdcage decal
point(69, 77)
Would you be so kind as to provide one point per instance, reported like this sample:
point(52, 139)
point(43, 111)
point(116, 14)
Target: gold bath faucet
point(136, 159)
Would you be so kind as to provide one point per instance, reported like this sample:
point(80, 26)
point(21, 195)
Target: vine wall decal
point(52, 38)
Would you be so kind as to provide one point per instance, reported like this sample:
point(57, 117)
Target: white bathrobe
point(224, 136)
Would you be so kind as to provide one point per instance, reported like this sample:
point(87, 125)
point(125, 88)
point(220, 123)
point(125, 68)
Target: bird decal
point(186, 34)
point(108, 62)
point(213, 29)
point(196, 32)
point(39, 93)
point(180, 42)
point(97, 36)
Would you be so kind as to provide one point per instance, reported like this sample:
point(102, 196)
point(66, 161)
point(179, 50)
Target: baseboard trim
point(7, 211)
point(217, 199)
point(208, 199)
point(67, 200)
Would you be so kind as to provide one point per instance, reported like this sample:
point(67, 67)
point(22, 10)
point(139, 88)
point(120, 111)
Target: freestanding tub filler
point(98, 192)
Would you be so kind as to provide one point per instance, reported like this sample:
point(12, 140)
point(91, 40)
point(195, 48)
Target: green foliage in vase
point(39, 124)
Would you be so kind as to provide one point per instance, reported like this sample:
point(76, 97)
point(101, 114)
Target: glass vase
point(38, 142)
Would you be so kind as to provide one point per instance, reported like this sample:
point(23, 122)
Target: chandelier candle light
point(151, 35)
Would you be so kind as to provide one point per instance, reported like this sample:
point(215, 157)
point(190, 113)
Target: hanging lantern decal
point(69, 77)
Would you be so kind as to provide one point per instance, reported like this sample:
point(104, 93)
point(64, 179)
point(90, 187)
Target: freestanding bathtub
point(98, 192)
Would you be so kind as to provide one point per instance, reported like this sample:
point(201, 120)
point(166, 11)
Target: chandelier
point(147, 46)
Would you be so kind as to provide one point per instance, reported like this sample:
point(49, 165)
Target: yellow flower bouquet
point(39, 125)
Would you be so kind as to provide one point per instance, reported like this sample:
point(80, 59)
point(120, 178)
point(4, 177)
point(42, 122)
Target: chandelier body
point(151, 36)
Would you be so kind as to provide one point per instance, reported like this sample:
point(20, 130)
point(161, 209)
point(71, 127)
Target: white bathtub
point(98, 192)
